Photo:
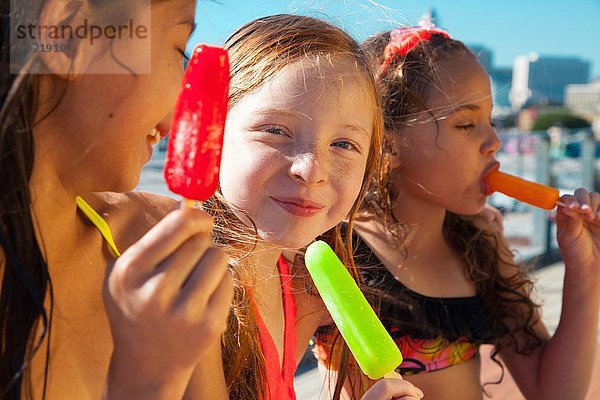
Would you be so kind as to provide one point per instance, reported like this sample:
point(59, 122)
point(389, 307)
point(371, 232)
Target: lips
point(298, 207)
point(485, 188)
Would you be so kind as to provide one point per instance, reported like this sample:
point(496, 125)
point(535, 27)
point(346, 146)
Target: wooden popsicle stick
point(392, 375)
point(188, 203)
point(560, 203)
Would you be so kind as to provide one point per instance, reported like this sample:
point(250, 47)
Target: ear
point(58, 51)
point(395, 144)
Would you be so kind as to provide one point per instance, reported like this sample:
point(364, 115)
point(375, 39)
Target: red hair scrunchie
point(403, 40)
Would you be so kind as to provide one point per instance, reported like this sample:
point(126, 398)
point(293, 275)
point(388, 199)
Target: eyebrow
point(357, 129)
point(447, 111)
point(295, 114)
point(282, 112)
point(193, 26)
point(460, 107)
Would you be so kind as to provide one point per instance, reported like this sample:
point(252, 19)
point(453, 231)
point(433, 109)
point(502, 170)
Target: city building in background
point(536, 86)
point(485, 57)
point(501, 78)
point(583, 99)
point(540, 80)
point(432, 16)
point(501, 86)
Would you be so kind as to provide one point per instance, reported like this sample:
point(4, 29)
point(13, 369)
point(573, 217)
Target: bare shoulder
point(130, 215)
point(132, 206)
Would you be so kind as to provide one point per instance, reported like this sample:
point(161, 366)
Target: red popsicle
point(523, 190)
point(196, 133)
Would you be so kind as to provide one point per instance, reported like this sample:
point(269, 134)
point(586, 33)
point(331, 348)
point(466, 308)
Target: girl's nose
point(492, 143)
point(307, 168)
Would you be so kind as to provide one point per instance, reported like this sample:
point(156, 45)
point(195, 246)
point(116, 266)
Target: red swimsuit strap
point(274, 374)
point(289, 309)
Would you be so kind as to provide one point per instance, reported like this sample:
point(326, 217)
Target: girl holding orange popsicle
point(444, 282)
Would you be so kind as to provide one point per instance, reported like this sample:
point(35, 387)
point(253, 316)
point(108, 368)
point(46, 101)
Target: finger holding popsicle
point(578, 215)
point(578, 232)
point(393, 389)
point(535, 194)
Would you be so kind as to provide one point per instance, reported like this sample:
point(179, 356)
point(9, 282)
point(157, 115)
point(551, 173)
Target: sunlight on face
point(443, 156)
point(295, 150)
point(105, 146)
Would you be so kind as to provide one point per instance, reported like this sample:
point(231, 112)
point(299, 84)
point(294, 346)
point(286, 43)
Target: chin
point(125, 186)
point(286, 240)
point(468, 211)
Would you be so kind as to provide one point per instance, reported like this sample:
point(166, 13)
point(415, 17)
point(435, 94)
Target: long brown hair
point(404, 86)
point(258, 51)
point(25, 278)
point(26, 284)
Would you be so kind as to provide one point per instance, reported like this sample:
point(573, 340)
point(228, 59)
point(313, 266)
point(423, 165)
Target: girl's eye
point(185, 59)
point(185, 56)
point(275, 130)
point(466, 127)
point(346, 145)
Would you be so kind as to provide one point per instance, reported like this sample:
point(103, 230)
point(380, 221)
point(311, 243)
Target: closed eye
point(466, 127)
point(185, 56)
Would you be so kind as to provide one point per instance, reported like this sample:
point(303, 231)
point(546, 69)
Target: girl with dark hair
point(445, 282)
point(77, 120)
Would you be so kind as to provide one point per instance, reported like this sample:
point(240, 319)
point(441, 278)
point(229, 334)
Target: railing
point(561, 158)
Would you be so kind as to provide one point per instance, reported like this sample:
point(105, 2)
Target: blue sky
point(508, 27)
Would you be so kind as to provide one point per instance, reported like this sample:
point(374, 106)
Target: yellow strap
point(100, 223)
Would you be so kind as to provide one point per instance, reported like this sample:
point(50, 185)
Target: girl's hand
point(578, 230)
point(492, 215)
point(167, 298)
point(393, 388)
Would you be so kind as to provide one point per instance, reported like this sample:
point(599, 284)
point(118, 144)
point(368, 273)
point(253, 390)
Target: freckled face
point(295, 150)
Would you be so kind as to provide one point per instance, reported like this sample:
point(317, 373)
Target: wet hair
point(258, 51)
point(25, 278)
point(26, 299)
point(404, 86)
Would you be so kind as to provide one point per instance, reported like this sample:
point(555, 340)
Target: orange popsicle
point(523, 190)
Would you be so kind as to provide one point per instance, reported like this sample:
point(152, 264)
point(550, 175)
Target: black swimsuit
point(432, 333)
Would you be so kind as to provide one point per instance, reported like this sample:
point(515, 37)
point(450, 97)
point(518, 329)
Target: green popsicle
point(372, 346)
